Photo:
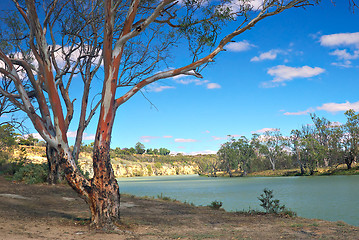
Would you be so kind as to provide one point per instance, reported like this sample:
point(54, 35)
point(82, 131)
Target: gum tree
point(133, 38)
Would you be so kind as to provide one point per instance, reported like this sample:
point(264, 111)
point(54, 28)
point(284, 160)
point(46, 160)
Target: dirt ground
point(56, 212)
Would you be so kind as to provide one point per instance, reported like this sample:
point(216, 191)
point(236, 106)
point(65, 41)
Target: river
point(330, 198)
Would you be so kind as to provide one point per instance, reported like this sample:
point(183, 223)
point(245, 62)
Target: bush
point(215, 205)
point(9, 167)
point(32, 173)
point(272, 205)
point(165, 198)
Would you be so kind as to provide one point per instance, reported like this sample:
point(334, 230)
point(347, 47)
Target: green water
point(330, 198)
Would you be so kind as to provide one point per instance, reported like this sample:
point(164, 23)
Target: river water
point(330, 198)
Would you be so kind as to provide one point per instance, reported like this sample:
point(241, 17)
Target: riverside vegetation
point(323, 148)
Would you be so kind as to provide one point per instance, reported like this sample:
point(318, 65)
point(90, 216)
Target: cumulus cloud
point(183, 140)
point(88, 136)
point(237, 5)
point(309, 110)
point(239, 46)
point(270, 55)
point(329, 107)
point(205, 152)
point(155, 87)
point(213, 86)
point(215, 138)
point(282, 74)
point(348, 41)
point(345, 55)
point(168, 136)
point(186, 81)
point(34, 135)
point(340, 39)
point(344, 64)
point(338, 107)
point(147, 139)
point(263, 130)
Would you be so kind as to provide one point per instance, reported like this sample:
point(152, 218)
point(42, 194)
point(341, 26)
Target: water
point(330, 198)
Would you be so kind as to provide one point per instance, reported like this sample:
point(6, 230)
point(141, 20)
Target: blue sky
point(287, 66)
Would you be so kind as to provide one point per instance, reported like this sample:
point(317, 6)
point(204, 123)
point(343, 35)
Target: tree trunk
point(105, 194)
point(53, 162)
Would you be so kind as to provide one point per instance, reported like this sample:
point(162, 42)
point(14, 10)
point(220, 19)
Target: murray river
point(333, 198)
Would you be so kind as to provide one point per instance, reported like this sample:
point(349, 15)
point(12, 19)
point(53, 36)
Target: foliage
point(28, 141)
point(32, 173)
point(268, 203)
point(140, 148)
point(7, 137)
point(236, 154)
point(164, 198)
point(215, 205)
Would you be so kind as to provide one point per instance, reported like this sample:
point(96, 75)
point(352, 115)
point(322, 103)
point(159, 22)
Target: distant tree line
point(139, 148)
point(321, 144)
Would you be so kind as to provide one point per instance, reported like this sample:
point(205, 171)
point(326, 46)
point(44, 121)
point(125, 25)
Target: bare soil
point(56, 212)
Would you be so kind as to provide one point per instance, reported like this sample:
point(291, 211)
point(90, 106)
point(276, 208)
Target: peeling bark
point(54, 175)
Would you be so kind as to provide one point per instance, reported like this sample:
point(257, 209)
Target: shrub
point(268, 203)
point(165, 198)
point(215, 205)
point(9, 167)
point(32, 173)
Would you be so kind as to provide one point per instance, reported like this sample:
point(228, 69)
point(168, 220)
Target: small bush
point(32, 173)
point(165, 198)
point(215, 205)
point(268, 203)
point(9, 167)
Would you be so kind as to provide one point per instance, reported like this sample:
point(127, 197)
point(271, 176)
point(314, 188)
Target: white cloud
point(85, 136)
point(270, 55)
point(309, 110)
point(155, 87)
point(205, 152)
point(263, 130)
point(185, 140)
point(188, 81)
point(282, 74)
point(347, 40)
point(213, 86)
point(237, 5)
point(340, 39)
point(344, 64)
point(344, 55)
point(329, 107)
point(147, 139)
point(338, 107)
point(215, 138)
point(34, 135)
point(167, 136)
point(88, 136)
point(239, 46)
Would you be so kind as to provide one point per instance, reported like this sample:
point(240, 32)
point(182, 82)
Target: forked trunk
point(101, 192)
point(53, 161)
point(104, 198)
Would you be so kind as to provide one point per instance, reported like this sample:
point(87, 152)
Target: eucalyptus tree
point(130, 40)
point(351, 138)
point(236, 154)
point(273, 146)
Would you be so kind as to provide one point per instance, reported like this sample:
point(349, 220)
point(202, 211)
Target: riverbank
point(328, 171)
point(56, 212)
